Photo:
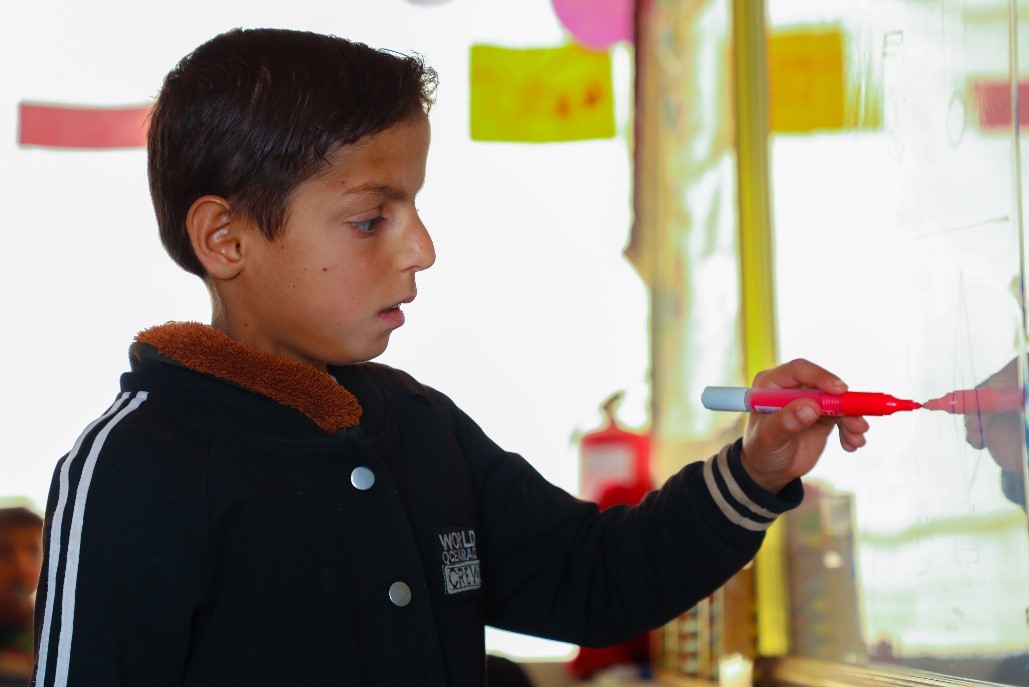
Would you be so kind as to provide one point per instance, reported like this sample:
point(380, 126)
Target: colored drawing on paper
point(806, 81)
point(540, 94)
point(61, 126)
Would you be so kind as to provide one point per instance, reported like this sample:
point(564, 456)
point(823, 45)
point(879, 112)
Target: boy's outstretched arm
point(558, 567)
point(780, 447)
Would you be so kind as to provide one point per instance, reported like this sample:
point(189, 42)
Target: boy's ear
point(216, 236)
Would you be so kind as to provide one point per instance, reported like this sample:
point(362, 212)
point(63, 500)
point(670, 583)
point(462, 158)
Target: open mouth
point(393, 314)
point(396, 306)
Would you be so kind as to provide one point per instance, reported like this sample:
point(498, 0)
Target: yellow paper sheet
point(540, 95)
point(806, 81)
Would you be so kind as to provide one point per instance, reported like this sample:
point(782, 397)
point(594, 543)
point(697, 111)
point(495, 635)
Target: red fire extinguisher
point(614, 461)
point(614, 469)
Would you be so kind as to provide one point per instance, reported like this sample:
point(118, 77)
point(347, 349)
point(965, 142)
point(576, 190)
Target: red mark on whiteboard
point(62, 126)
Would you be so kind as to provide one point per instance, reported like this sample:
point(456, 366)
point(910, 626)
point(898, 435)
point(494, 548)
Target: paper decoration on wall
point(61, 126)
point(805, 72)
point(992, 103)
point(540, 94)
point(596, 23)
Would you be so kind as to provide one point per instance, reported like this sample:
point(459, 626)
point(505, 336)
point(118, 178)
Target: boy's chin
point(356, 357)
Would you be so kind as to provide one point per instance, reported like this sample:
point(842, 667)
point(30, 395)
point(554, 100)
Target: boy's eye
point(368, 225)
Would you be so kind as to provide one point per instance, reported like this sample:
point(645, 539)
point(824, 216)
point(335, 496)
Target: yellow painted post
point(757, 283)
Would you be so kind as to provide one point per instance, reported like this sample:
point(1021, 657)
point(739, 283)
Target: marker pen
point(756, 400)
point(972, 401)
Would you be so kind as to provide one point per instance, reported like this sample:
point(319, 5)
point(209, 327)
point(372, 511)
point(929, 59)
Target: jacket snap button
point(399, 594)
point(362, 478)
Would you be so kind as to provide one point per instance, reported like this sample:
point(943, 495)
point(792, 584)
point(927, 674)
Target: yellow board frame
point(757, 283)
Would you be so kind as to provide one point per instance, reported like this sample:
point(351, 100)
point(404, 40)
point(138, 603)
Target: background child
point(21, 552)
point(263, 506)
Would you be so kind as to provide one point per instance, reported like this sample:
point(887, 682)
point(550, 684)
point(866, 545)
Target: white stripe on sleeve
point(722, 463)
point(733, 515)
point(119, 411)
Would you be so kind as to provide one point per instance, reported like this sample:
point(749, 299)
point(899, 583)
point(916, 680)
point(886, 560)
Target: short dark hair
point(19, 517)
point(253, 113)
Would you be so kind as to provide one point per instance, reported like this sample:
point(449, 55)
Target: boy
point(262, 506)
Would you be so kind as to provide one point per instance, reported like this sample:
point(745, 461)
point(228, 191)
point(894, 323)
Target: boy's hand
point(779, 447)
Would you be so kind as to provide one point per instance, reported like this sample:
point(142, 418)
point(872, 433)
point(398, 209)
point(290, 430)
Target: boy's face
point(328, 290)
point(21, 555)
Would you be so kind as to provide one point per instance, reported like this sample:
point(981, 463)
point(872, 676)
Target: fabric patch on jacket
point(459, 560)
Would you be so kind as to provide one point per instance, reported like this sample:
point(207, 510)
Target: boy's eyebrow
point(385, 190)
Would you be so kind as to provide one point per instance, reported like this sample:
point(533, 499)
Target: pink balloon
point(596, 23)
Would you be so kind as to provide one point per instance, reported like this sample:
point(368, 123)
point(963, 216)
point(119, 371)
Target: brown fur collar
point(204, 349)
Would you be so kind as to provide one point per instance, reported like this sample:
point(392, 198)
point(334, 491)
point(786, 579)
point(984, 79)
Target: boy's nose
point(423, 252)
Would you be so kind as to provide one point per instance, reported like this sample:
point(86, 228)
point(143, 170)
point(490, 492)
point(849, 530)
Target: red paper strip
point(58, 126)
point(992, 102)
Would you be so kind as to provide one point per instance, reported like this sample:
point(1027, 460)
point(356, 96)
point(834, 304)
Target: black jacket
point(218, 527)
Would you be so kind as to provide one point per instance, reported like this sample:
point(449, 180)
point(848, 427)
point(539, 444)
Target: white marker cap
point(725, 398)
